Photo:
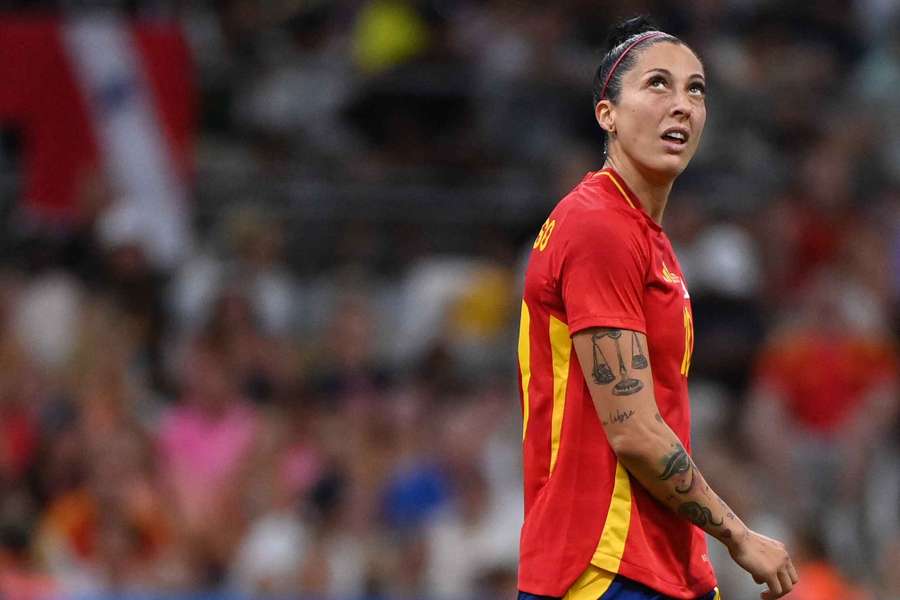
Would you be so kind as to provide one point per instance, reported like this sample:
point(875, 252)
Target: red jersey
point(600, 261)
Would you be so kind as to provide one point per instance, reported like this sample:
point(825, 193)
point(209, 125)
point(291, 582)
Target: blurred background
point(260, 268)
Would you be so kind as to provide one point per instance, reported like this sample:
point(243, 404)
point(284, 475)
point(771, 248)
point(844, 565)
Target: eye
point(697, 88)
point(657, 82)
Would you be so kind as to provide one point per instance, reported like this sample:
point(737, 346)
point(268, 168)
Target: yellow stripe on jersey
point(669, 275)
point(688, 341)
point(718, 595)
point(591, 585)
point(561, 350)
point(618, 186)
point(608, 555)
point(525, 362)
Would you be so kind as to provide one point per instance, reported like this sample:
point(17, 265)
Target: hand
point(767, 561)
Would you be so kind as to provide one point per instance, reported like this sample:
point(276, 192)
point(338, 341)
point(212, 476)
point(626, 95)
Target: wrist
point(734, 537)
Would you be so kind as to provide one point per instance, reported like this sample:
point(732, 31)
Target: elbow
point(631, 444)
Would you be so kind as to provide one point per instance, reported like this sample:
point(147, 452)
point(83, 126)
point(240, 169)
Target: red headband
point(641, 38)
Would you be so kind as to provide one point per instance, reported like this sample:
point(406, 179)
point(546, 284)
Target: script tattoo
point(697, 514)
point(620, 416)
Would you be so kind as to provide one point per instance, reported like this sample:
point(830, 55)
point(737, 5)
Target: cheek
point(699, 122)
point(643, 120)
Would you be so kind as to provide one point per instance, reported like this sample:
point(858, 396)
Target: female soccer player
point(615, 508)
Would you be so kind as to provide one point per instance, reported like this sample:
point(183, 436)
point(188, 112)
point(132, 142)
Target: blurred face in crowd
point(209, 385)
point(656, 123)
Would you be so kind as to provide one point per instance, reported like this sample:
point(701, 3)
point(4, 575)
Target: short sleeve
point(602, 273)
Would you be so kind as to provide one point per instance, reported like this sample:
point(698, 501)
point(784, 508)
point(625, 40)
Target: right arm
point(653, 454)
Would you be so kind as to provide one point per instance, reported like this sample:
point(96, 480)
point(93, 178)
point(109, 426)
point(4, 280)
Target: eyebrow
point(669, 73)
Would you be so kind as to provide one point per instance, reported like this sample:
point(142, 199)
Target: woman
point(615, 507)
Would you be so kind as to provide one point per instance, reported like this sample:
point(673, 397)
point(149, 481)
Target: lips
point(676, 135)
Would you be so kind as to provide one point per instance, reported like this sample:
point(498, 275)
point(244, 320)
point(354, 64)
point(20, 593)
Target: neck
point(652, 192)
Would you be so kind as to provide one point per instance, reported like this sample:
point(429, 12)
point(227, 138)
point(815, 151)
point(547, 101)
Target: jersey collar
point(613, 182)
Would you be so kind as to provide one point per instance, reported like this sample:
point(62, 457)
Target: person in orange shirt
point(821, 578)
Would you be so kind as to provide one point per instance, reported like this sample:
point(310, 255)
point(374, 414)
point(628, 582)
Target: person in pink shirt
point(205, 442)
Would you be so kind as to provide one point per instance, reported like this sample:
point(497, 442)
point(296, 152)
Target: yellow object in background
point(388, 32)
point(482, 310)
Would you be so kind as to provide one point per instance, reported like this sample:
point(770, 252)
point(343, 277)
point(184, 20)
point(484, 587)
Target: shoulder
point(588, 215)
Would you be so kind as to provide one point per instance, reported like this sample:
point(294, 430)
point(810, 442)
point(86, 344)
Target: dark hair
point(620, 39)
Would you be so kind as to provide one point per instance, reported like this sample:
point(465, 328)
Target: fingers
point(793, 573)
point(780, 584)
point(785, 580)
point(774, 587)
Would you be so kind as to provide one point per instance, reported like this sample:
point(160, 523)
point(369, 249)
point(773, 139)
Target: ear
point(604, 112)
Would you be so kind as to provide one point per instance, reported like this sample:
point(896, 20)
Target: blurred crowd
point(317, 397)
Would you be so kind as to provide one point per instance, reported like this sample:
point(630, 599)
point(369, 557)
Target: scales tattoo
point(602, 372)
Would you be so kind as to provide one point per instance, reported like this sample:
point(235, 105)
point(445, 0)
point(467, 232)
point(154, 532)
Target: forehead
point(677, 58)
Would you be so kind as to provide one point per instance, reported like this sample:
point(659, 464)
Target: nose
point(681, 106)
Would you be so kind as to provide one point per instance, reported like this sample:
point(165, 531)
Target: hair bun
point(627, 29)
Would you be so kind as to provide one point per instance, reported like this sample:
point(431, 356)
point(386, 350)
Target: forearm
point(660, 463)
point(653, 454)
point(641, 438)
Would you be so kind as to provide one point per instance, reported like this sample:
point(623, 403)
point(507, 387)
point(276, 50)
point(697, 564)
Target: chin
point(669, 166)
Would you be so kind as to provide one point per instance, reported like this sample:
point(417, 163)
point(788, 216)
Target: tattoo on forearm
point(726, 532)
point(601, 371)
point(698, 515)
point(678, 463)
point(620, 416)
point(689, 485)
